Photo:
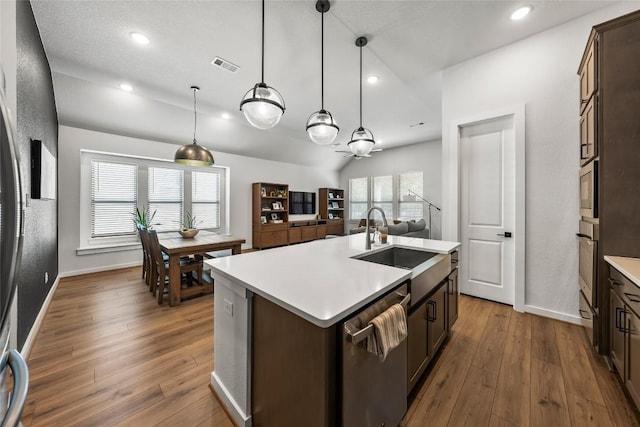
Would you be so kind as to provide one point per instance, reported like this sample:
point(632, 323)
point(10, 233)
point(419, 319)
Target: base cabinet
point(632, 380)
point(427, 327)
point(617, 336)
point(452, 298)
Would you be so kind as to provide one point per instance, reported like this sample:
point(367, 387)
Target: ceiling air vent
point(223, 63)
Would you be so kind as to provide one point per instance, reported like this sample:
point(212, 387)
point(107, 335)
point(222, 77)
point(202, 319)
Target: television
point(301, 202)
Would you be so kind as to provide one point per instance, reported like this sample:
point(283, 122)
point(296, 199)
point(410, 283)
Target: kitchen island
point(297, 294)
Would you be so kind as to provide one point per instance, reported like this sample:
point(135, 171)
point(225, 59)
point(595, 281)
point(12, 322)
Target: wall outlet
point(228, 307)
point(46, 277)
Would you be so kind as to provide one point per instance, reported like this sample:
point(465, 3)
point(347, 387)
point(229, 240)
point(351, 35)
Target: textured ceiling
point(410, 43)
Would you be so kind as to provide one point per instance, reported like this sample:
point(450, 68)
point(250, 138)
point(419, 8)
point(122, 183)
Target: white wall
point(540, 72)
point(426, 157)
point(244, 171)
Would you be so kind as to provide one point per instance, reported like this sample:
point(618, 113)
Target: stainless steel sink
point(398, 257)
point(429, 269)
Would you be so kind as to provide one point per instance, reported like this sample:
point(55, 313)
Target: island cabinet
point(427, 328)
point(452, 292)
point(625, 328)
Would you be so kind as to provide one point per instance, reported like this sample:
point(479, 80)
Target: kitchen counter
point(630, 267)
point(318, 283)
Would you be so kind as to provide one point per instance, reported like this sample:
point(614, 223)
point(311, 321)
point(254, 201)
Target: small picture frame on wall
point(263, 219)
point(263, 192)
point(330, 215)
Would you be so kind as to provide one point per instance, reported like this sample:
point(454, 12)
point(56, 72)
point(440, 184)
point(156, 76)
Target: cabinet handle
point(584, 101)
point(614, 283)
point(633, 297)
point(618, 318)
point(435, 311)
point(582, 315)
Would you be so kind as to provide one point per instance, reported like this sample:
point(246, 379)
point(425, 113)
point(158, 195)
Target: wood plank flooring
point(107, 354)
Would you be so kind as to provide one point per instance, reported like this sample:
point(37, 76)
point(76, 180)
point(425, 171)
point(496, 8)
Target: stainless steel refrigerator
point(13, 393)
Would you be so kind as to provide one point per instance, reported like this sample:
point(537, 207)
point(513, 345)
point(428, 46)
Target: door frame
point(451, 187)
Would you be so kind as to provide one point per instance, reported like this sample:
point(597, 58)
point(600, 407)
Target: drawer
point(295, 234)
point(626, 289)
point(587, 318)
point(274, 238)
point(308, 233)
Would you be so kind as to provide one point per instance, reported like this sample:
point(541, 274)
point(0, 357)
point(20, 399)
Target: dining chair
point(146, 255)
point(160, 269)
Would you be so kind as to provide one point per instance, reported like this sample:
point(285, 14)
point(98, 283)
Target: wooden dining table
point(204, 241)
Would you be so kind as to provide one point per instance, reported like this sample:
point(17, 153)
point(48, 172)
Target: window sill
point(103, 249)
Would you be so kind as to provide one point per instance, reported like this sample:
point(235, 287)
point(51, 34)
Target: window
point(409, 205)
point(390, 193)
point(383, 194)
point(118, 184)
point(113, 198)
point(165, 197)
point(205, 199)
point(358, 198)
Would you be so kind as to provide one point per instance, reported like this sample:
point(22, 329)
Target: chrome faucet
point(368, 231)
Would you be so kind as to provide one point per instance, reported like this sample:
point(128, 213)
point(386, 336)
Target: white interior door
point(487, 208)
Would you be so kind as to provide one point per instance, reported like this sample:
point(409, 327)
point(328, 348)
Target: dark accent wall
point(36, 119)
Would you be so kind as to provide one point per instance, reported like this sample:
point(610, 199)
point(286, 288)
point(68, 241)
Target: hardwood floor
point(107, 354)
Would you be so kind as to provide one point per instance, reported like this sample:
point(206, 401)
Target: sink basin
point(398, 257)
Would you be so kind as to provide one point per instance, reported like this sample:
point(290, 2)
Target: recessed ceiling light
point(379, 141)
point(226, 116)
point(126, 87)
point(140, 38)
point(373, 79)
point(521, 12)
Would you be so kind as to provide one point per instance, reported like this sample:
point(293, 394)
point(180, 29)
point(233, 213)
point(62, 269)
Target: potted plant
point(142, 218)
point(189, 229)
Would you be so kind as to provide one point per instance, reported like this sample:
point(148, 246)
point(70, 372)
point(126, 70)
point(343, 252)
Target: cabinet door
point(588, 146)
point(587, 76)
point(418, 347)
point(452, 298)
point(632, 378)
point(437, 316)
point(617, 325)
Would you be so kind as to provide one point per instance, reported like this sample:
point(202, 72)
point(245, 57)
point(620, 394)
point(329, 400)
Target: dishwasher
point(373, 392)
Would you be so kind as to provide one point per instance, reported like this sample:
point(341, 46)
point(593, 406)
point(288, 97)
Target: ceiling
point(410, 43)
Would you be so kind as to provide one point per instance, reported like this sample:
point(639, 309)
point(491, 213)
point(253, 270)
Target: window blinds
point(410, 206)
point(383, 194)
point(113, 198)
point(166, 197)
point(205, 199)
point(358, 198)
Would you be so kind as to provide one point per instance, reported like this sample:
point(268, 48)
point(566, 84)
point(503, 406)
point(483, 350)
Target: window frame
point(396, 195)
point(100, 244)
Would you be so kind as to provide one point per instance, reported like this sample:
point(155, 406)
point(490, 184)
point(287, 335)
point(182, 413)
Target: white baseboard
point(239, 417)
point(99, 269)
point(552, 314)
point(35, 328)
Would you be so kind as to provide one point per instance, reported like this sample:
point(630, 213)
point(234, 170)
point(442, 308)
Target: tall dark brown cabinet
point(610, 164)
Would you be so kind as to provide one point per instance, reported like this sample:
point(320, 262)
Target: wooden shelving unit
point(270, 214)
point(332, 209)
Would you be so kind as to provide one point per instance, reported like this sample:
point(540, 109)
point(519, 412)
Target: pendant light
point(362, 140)
point(262, 105)
point(321, 126)
point(194, 154)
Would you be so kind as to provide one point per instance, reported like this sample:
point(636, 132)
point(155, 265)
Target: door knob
point(505, 234)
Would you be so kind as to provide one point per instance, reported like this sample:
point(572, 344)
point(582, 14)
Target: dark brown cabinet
point(452, 298)
point(624, 335)
point(428, 328)
point(609, 100)
point(332, 209)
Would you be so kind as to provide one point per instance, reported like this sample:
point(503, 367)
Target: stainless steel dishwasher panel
point(374, 393)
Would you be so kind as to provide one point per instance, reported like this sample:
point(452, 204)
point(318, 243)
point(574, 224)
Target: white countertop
point(630, 267)
point(319, 281)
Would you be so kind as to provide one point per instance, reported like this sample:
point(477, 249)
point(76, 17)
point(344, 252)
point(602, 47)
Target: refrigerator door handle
point(20, 387)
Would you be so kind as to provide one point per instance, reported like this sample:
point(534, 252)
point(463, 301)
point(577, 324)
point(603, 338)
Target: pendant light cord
point(360, 86)
point(322, 59)
point(195, 116)
point(262, 75)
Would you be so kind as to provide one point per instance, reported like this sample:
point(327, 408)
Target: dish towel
point(389, 330)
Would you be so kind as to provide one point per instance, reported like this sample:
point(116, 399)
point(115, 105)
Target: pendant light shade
point(362, 140)
point(321, 126)
point(262, 105)
point(194, 154)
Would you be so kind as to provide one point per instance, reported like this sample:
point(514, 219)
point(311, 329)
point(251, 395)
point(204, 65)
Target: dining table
point(205, 241)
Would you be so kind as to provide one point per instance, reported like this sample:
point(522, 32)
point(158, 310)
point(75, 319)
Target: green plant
point(190, 221)
point(142, 218)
